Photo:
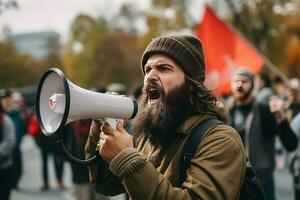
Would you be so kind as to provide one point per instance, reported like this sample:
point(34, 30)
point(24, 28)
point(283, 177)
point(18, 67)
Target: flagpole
point(273, 68)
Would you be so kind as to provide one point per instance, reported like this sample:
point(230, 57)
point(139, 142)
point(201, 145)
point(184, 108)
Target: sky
point(57, 15)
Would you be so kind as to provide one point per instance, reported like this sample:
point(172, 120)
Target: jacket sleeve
point(100, 177)
point(287, 136)
point(269, 125)
point(8, 142)
point(295, 124)
point(217, 171)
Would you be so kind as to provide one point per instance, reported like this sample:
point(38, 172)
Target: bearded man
point(174, 102)
point(258, 124)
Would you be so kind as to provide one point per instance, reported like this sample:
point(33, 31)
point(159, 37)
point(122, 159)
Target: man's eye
point(165, 69)
point(147, 70)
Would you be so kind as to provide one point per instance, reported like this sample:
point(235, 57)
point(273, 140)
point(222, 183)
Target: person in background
point(117, 88)
point(294, 97)
point(280, 88)
point(135, 94)
point(263, 87)
point(59, 161)
point(45, 144)
point(174, 101)
point(258, 124)
point(20, 124)
point(295, 124)
point(7, 143)
point(20, 105)
point(76, 139)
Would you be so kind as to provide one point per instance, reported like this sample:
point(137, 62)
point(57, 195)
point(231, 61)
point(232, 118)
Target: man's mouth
point(240, 90)
point(153, 95)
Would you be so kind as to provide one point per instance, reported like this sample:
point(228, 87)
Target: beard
point(242, 95)
point(159, 121)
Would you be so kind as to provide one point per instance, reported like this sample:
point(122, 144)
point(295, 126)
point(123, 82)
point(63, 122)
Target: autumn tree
point(99, 53)
point(166, 16)
point(16, 70)
point(272, 27)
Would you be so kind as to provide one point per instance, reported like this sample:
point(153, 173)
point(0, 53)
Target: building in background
point(40, 45)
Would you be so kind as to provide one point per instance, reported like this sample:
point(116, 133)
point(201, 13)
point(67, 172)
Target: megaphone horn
point(59, 102)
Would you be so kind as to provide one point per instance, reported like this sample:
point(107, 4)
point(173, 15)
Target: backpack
point(251, 188)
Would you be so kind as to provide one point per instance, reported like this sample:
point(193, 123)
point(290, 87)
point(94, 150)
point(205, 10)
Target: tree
point(7, 4)
point(166, 16)
point(270, 25)
point(98, 53)
point(16, 70)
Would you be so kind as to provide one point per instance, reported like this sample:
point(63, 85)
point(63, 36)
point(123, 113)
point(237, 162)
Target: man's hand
point(113, 141)
point(277, 107)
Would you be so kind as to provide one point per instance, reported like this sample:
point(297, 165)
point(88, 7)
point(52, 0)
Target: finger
point(100, 143)
point(104, 137)
point(95, 129)
point(106, 129)
point(120, 127)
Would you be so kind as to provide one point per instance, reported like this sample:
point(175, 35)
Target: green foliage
point(272, 26)
point(100, 52)
point(16, 70)
point(106, 54)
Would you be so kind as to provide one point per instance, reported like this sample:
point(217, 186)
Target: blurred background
point(100, 42)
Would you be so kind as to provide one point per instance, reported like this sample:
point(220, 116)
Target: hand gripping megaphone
point(59, 102)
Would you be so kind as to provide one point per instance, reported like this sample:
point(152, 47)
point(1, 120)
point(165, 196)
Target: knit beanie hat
point(185, 50)
point(247, 73)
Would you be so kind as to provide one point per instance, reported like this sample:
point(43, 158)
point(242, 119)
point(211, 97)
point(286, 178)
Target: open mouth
point(240, 90)
point(153, 95)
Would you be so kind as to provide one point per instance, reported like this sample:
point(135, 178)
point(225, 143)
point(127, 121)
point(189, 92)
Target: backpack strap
point(191, 144)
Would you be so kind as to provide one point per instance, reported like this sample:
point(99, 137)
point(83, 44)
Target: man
point(7, 143)
point(294, 97)
point(263, 87)
point(20, 124)
point(258, 124)
point(174, 101)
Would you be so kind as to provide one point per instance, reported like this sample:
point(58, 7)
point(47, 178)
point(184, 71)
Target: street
point(31, 179)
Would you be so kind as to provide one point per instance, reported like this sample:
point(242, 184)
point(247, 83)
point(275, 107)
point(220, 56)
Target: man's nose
point(239, 83)
point(152, 75)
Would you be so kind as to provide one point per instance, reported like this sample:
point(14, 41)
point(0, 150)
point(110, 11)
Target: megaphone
point(59, 102)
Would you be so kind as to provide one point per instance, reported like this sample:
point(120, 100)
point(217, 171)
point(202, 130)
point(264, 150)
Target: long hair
point(201, 98)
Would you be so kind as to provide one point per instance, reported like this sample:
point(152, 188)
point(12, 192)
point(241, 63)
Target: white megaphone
point(59, 102)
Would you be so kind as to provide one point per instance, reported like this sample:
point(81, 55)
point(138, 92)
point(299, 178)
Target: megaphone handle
point(113, 122)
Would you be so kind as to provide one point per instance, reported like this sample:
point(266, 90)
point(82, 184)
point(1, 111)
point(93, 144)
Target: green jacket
point(147, 172)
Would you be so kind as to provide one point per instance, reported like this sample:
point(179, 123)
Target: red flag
point(225, 50)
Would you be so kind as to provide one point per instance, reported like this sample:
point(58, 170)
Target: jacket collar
point(217, 111)
point(190, 123)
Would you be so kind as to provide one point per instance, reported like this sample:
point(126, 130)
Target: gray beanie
point(245, 72)
point(185, 50)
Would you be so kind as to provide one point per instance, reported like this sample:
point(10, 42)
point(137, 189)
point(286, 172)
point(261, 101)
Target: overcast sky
point(57, 15)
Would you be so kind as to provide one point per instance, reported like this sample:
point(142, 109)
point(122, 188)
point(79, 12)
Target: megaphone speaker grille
point(52, 82)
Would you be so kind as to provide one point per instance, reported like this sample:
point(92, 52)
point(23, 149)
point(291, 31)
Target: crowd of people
point(142, 159)
point(17, 120)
